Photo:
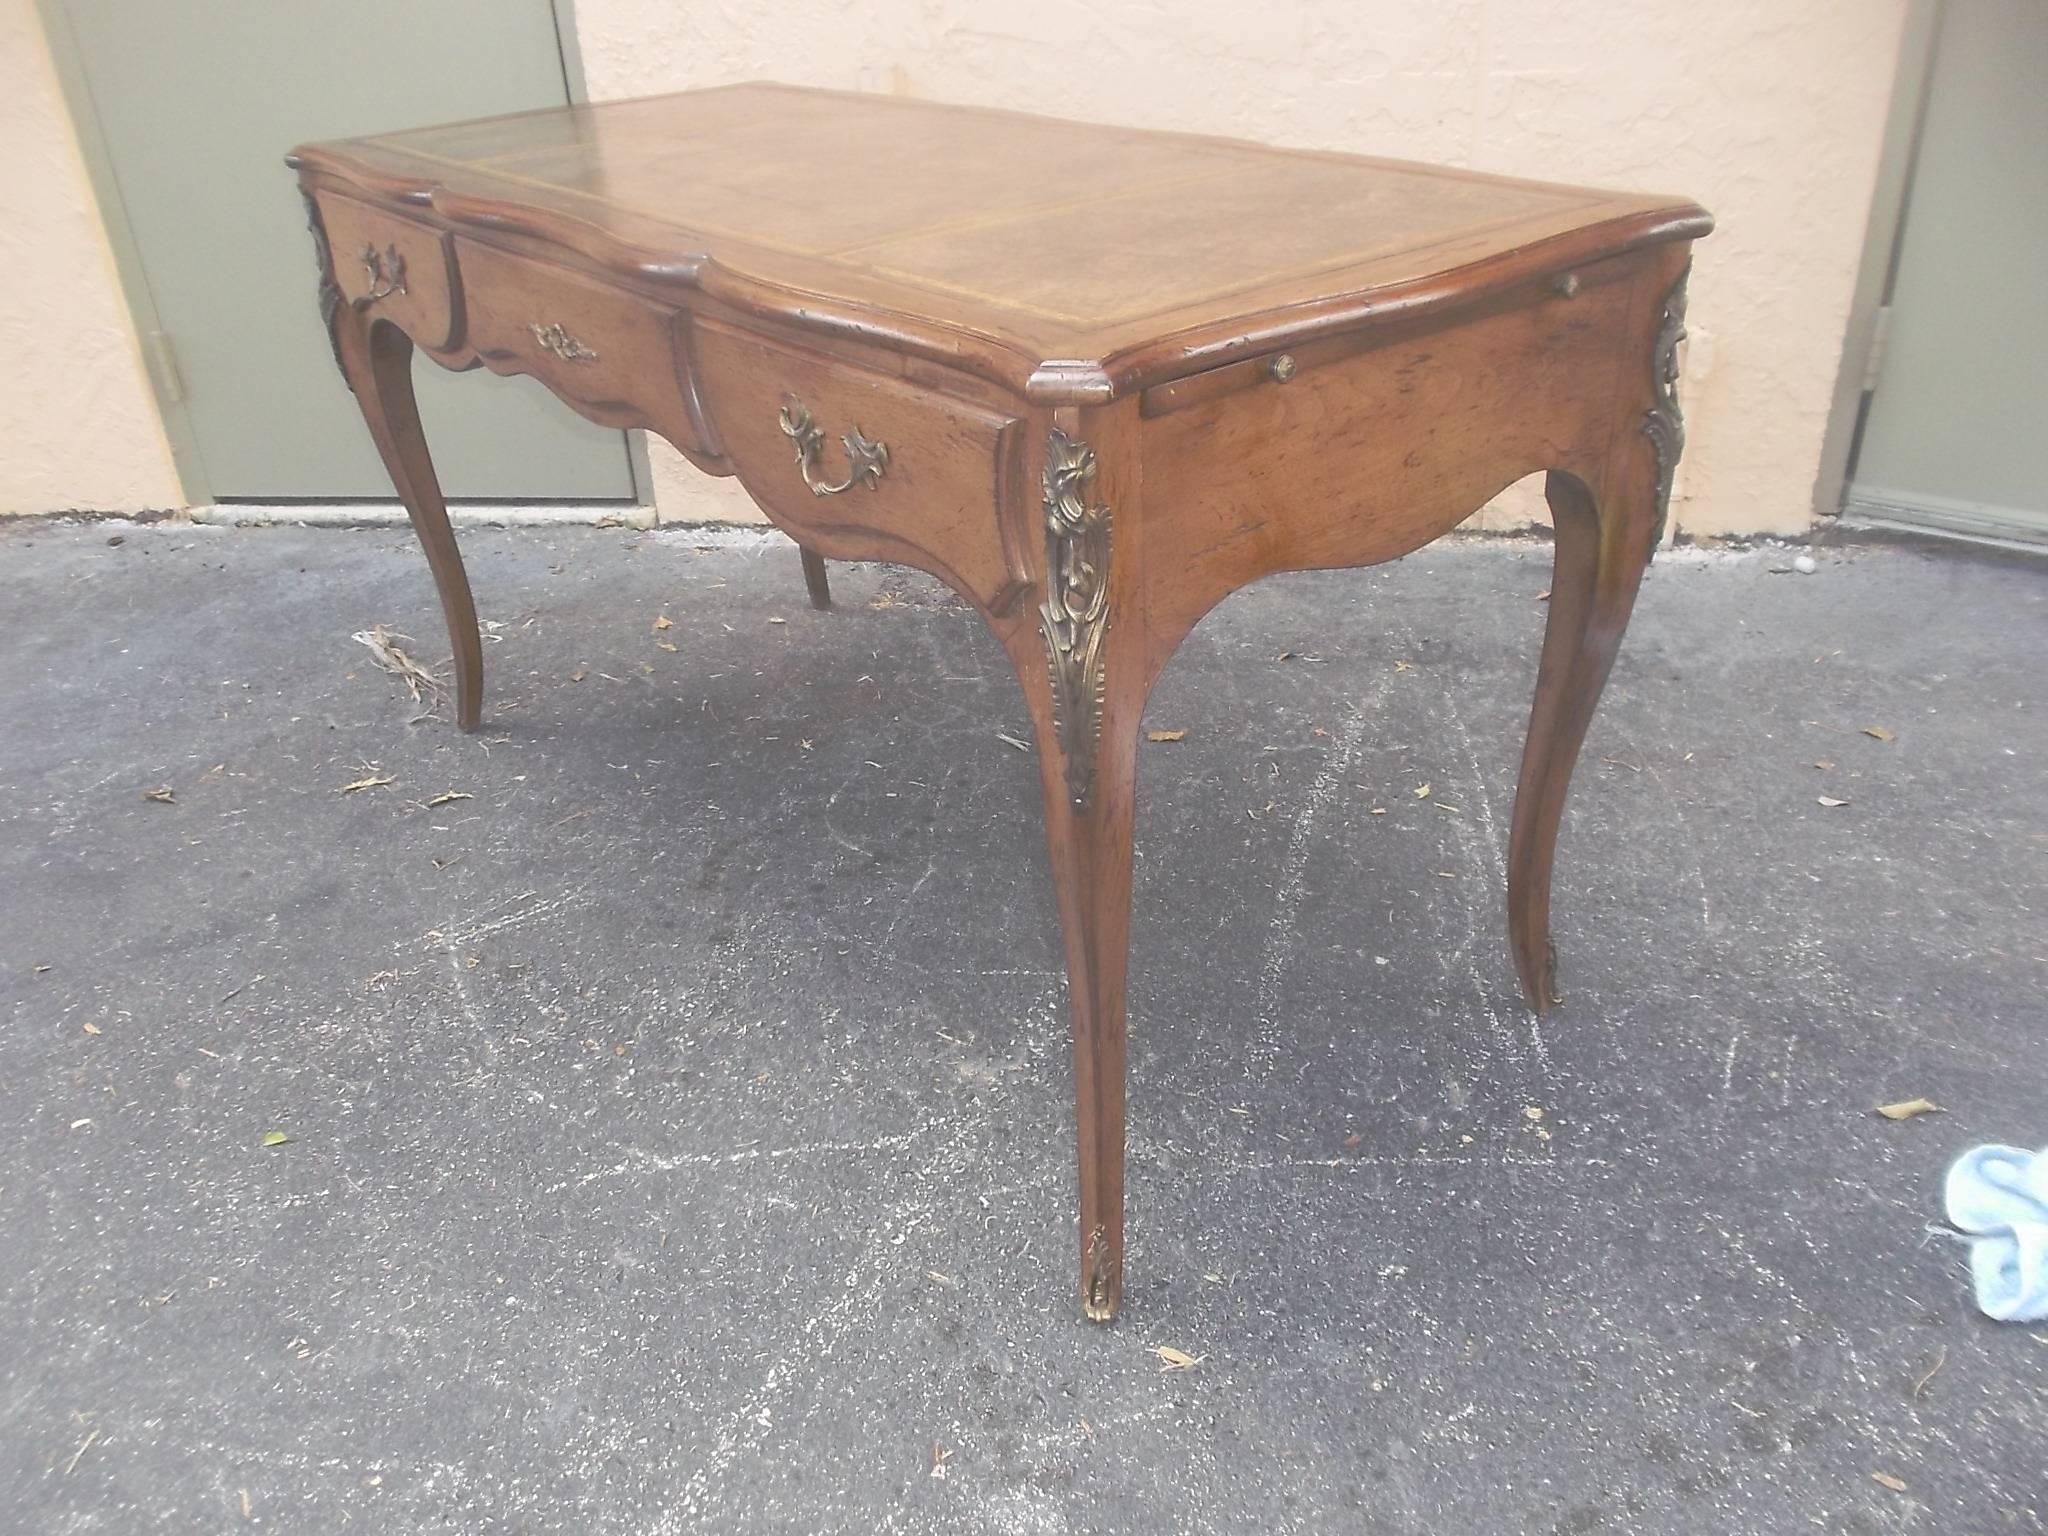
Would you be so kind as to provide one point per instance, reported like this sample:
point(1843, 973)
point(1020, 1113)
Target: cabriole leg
point(1091, 869)
point(1598, 566)
point(1605, 533)
point(376, 359)
point(815, 579)
point(1086, 689)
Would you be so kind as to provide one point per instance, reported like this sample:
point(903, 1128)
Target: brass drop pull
point(866, 462)
point(386, 274)
point(558, 341)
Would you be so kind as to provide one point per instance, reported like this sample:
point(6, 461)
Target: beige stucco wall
point(1770, 114)
point(78, 425)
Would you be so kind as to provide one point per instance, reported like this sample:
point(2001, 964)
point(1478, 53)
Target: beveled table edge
point(391, 174)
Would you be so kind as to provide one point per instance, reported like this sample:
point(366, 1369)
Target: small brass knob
point(1282, 367)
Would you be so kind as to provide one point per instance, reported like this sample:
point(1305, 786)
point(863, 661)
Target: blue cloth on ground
point(1999, 1197)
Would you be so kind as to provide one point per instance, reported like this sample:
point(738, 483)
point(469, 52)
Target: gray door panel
point(197, 102)
point(1954, 433)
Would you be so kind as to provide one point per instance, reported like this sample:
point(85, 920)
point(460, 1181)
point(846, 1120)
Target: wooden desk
point(1095, 379)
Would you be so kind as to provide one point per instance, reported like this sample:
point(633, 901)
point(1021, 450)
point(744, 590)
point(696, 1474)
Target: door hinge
point(1873, 360)
point(163, 363)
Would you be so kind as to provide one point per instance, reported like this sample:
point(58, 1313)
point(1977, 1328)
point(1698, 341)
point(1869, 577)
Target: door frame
point(166, 388)
point(1874, 271)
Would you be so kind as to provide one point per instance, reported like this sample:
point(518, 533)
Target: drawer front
point(390, 266)
point(867, 464)
point(609, 353)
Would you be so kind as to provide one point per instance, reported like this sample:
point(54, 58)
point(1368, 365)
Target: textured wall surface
point(78, 425)
point(1769, 114)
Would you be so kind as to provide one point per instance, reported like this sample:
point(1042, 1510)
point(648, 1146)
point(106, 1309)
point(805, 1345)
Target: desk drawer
point(823, 443)
point(393, 268)
point(608, 352)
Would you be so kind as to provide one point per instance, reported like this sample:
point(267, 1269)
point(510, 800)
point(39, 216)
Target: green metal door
point(1953, 437)
point(196, 102)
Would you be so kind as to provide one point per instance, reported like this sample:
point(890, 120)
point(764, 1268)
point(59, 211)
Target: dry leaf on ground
point(1830, 801)
point(383, 646)
point(1906, 1109)
point(90, 1440)
point(448, 795)
point(662, 621)
point(1166, 735)
point(163, 794)
point(1879, 732)
point(368, 781)
point(275, 1138)
point(1177, 1360)
point(1933, 1371)
point(1896, 1484)
point(1422, 792)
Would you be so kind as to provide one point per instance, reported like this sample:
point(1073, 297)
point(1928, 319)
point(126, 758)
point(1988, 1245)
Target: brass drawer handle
point(386, 274)
point(866, 462)
point(558, 341)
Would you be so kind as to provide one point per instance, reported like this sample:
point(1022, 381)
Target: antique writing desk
point(1094, 379)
